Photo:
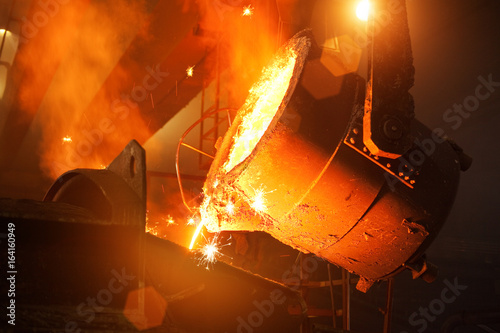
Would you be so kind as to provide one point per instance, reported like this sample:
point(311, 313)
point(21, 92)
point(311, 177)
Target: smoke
point(77, 84)
point(246, 42)
point(68, 85)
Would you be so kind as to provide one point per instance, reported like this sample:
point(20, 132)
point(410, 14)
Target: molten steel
point(260, 107)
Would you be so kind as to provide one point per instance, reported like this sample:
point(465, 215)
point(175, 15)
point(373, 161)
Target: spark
point(189, 71)
point(190, 221)
point(211, 251)
point(247, 11)
point(152, 230)
point(170, 220)
point(67, 139)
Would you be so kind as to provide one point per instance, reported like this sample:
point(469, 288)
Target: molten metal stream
point(196, 234)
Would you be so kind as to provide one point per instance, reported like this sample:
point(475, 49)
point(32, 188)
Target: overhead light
point(3, 79)
point(10, 44)
point(363, 10)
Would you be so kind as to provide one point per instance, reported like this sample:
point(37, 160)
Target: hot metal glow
point(261, 106)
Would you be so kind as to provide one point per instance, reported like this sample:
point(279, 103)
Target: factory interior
point(250, 166)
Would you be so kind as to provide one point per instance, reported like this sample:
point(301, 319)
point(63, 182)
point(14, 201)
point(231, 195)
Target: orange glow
point(363, 10)
point(261, 106)
point(190, 71)
point(247, 11)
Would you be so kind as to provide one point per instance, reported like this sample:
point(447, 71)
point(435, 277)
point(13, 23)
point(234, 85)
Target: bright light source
point(363, 10)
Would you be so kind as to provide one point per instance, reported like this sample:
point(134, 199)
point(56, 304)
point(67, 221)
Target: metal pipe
point(334, 313)
point(346, 300)
point(388, 306)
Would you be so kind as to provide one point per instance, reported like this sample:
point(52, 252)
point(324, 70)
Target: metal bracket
point(388, 107)
point(404, 172)
point(115, 196)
